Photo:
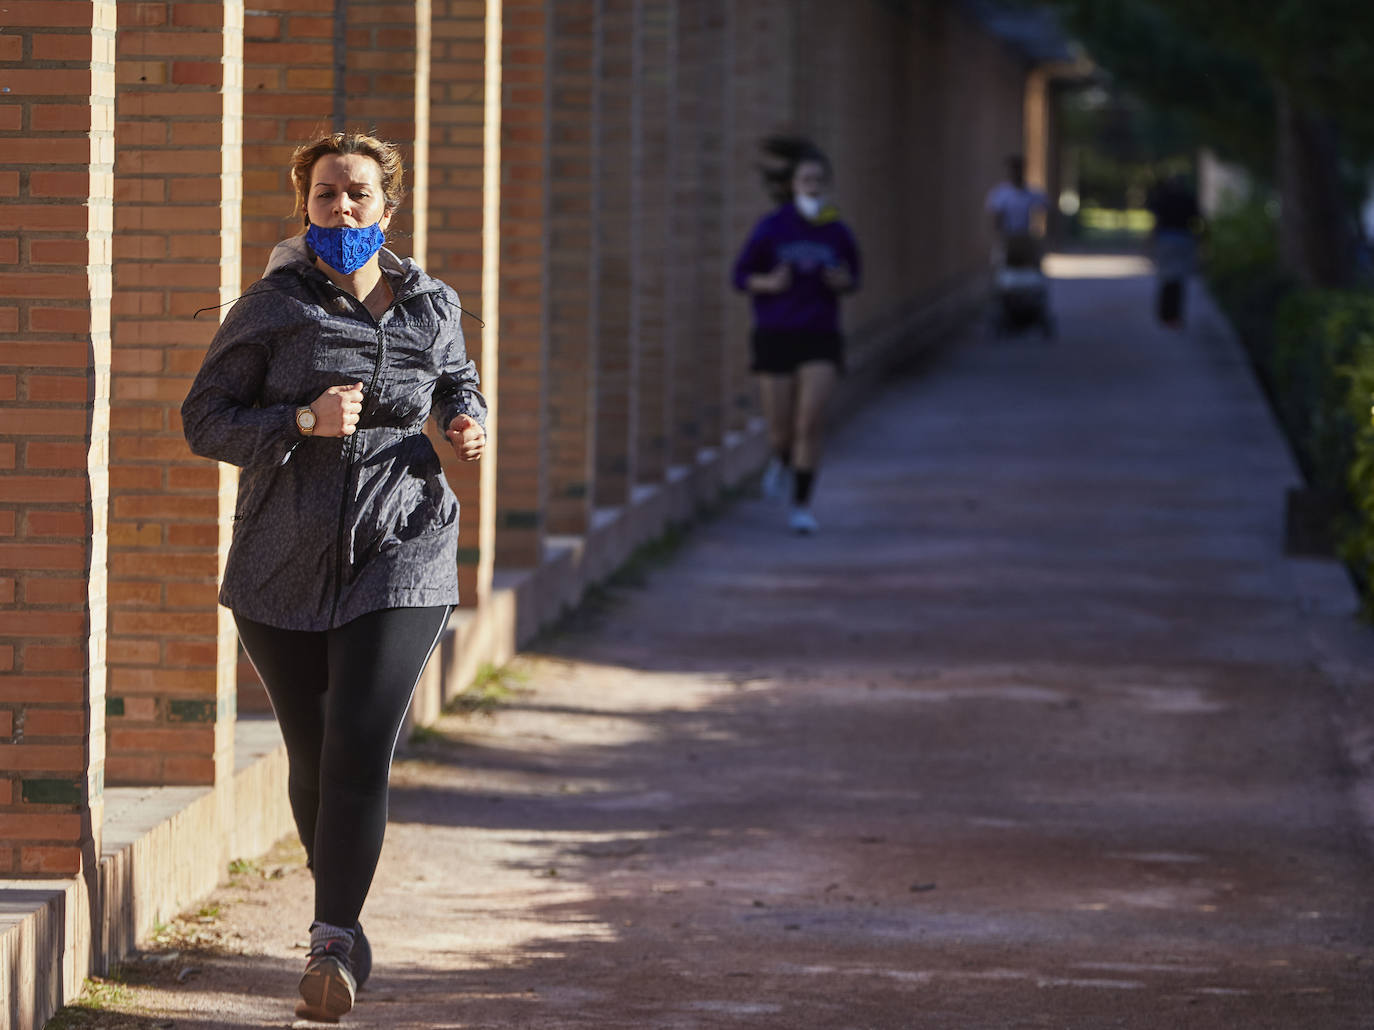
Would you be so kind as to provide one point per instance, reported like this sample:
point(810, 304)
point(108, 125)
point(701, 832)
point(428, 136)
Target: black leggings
point(340, 696)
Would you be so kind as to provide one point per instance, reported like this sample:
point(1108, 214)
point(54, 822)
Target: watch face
point(305, 418)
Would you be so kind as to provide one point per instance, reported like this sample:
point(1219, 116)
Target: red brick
point(197, 73)
point(44, 14)
point(59, 184)
point(75, 321)
point(57, 523)
point(134, 595)
point(188, 769)
point(54, 590)
point(50, 861)
point(60, 118)
point(43, 355)
point(67, 47)
point(138, 623)
point(51, 82)
point(44, 489)
point(159, 508)
point(182, 738)
point(54, 722)
point(12, 48)
point(146, 15)
point(193, 535)
point(190, 653)
point(7, 590)
point(59, 389)
point(123, 651)
point(43, 455)
point(259, 26)
point(41, 624)
point(22, 284)
point(42, 556)
point(133, 769)
point(38, 757)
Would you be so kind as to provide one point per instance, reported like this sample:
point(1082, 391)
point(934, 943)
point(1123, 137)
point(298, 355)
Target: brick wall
point(288, 98)
point(574, 258)
point(457, 181)
point(384, 93)
point(652, 256)
point(56, 173)
point(582, 171)
point(616, 278)
point(177, 188)
point(520, 440)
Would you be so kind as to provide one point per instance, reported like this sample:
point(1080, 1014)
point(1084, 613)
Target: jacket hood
point(295, 255)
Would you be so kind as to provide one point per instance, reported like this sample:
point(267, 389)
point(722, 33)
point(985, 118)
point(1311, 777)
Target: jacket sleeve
point(456, 392)
point(755, 257)
point(221, 416)
point(852, 259)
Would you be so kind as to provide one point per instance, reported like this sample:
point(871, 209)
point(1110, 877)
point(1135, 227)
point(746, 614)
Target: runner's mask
point(809, 206)
point(345, 248)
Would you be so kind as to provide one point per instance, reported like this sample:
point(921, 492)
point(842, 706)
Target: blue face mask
point(345, 248)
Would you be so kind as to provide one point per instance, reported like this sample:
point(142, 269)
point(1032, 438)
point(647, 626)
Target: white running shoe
point(776, 481)
point(802, 521)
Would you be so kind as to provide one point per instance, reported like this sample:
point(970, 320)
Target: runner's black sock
point(784, 456)
point(802, 481)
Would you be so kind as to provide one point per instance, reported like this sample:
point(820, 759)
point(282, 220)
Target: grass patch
point(492, 687)
point(93, 1006)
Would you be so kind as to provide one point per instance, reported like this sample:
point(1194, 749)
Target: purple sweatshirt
point(787, 236)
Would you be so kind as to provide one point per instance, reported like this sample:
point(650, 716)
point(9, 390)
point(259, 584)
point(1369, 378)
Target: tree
point(1279, 86)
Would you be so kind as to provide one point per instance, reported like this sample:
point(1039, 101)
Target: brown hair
point(387, 156)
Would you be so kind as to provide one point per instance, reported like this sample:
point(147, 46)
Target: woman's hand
point(337, 410)
point(469, 439)
point(777, 281)
point(837, 277)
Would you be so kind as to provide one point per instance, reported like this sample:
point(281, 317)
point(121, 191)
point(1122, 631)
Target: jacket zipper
point(350, 449)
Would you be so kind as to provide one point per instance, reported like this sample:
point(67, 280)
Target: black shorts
point(780, 351)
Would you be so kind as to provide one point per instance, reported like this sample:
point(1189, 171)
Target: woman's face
point(346, 190)
point(810, 179)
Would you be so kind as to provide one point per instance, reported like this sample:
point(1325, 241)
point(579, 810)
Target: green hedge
point(1314, 351)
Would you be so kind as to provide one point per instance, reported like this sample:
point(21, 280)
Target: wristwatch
point(305, 421)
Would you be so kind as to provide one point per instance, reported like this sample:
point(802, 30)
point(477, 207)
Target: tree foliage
point(1279, 86)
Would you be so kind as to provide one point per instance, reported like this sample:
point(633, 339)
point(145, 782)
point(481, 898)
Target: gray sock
point(322, 933)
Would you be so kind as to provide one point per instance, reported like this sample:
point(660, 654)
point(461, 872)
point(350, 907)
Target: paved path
point(1034, 734)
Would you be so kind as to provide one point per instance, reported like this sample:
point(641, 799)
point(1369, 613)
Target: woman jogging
point(798, 261)
point(342, 572)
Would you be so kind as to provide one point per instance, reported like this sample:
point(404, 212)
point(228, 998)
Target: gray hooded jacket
point(330, 528)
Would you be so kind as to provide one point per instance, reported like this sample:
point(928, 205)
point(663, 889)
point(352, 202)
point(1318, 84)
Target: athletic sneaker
point(776, 480)
point(328, 987)
point(802, 521)
point(360, 958)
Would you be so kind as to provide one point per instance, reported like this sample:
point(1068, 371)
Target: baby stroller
point(1021, 293)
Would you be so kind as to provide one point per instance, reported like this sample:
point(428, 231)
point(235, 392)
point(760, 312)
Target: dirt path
point(1031, 735)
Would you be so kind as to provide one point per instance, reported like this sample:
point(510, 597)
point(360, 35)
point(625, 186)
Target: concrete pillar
point(56, 174)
